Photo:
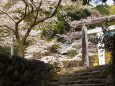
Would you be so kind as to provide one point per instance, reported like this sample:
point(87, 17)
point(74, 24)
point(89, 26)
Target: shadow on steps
point(82, 76)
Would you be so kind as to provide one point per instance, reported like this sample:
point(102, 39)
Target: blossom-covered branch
point(8, 28)
point(37, 20)
point(2, 12)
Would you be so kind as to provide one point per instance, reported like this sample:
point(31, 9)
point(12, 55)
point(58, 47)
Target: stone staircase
point(81, 76)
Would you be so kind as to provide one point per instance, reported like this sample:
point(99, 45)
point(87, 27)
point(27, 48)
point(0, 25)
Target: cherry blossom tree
point(26, 14)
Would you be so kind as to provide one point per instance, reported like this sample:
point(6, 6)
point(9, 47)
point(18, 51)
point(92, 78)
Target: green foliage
point(106, 10)
point(103, 9)
point(112, 9)
point(72, 54)
point(77, 13)
point(5, 50)
point(111, 23)
point(54, 48)
point(45, 13)
point(18, 11)
point(57, 45)
point(61, 26)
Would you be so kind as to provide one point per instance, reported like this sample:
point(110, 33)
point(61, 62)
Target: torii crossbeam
point(89, 22)
point(94, 21)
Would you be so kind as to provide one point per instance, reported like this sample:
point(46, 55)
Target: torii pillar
point(85, 57)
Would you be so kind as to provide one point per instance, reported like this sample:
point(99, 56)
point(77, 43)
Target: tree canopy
point(26, 14)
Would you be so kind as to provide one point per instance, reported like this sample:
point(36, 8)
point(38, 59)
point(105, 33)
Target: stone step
point(103, 84)
point(91, 76)
point(82, 69)
point(97, 68)
point(82, 74)
point(86, 73)
point(88, 81)
point(73, 78)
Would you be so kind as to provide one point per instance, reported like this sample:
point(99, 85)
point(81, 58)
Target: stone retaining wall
point(21, 72)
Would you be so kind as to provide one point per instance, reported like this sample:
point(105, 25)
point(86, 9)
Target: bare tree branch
point(26, 35)
point(5, 35)
point(39, 21)
point(32, 5)
point(52, 14)
point(39, 5)
point(36, 15)
point(8, 28)
point(26, 14)
point(26, 5)
point(24, 1)
point(2, 12)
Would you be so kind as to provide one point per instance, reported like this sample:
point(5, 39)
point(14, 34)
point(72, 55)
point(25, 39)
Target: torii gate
point(83, 24)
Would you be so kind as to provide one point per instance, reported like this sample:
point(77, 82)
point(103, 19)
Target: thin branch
point(26, 35)
point(24, 1)
point(31, 27)
point(2, 12)
point(33, 4)
point(38, 21)
point(50, 16)
point(32, 8)
point(8, 28)
point(5, 35)
point(39, 5)
point(54, 12)
point(26, 5)
point(32, 11)
point(25, 15)
point(37, 11)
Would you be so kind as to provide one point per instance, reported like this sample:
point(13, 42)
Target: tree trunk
point(21, 49)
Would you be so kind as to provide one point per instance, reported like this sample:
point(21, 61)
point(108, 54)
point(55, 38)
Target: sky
point(109, 2)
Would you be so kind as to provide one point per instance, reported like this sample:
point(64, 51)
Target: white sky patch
point(110, 2)
point(96, 2)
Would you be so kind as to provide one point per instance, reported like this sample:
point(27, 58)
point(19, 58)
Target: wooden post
point(85, 57)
